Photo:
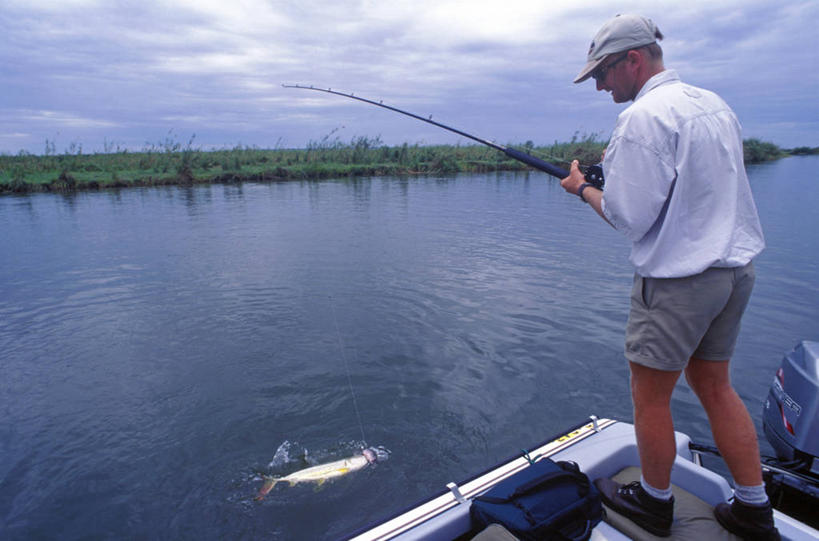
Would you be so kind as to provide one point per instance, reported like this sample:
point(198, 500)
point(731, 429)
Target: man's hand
point(592, 195)
point(575, 179)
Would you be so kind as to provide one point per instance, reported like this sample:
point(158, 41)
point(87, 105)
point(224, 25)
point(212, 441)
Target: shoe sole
point(720, 520)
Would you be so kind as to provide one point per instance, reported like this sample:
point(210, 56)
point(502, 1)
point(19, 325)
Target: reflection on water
point(159, 345)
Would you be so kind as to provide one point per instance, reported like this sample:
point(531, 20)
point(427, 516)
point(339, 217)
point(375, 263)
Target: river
point(159, 346)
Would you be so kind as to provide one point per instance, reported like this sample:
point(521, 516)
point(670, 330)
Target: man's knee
point(710, 380)
point(650, 386)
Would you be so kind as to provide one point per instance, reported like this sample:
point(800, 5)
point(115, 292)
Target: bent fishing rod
point(593, 173)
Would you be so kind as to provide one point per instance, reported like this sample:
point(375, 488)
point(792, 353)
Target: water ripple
point(159, 345)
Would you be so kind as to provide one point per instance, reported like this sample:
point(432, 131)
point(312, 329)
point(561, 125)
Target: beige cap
point(621, 33)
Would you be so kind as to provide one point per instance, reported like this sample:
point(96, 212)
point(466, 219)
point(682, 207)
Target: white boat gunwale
point(601, 448)
point(427, 509)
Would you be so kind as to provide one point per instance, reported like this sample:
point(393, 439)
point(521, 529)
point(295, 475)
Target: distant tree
point(756, 151)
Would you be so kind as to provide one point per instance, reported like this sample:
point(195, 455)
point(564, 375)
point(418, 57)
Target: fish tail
point(269, 483)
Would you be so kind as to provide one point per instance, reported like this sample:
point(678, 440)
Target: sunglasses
point(600, 73)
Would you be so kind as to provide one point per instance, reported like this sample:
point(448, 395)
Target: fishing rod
point(593, 173)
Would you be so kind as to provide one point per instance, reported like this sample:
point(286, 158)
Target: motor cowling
point(791, 412)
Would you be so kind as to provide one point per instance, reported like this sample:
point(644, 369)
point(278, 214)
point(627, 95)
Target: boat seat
point(693, 518)
point(495, 532)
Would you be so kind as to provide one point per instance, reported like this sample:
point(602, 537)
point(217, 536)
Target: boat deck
point(602, 448)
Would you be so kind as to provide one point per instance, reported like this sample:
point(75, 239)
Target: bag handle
point(531, 486)
point(540, 482)
point(567, 469)
point(549, 479)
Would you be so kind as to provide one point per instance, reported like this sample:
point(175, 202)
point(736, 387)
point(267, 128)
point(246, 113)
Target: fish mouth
point(370, 455)
point(376, 454)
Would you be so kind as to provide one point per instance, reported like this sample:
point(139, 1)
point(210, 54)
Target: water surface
point(159, 345)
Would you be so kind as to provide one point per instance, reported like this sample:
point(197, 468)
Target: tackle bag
point(546, 501)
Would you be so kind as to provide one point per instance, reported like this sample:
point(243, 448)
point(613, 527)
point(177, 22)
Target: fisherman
point(676, 187)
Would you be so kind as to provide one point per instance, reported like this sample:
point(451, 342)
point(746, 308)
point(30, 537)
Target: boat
point(607, 448)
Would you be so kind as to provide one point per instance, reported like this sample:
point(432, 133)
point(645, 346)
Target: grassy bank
point(171, 162)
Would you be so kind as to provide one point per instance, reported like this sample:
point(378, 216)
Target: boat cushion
point(495, 532)
point(693, 518)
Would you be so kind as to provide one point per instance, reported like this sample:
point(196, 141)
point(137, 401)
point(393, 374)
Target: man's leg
point(651, 394)
point(731, 424)
point(652, 506)
point(750, 515)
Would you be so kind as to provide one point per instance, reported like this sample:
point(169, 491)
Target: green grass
point(171, 162)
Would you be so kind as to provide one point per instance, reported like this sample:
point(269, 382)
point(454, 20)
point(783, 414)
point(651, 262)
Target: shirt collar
point(662, 78)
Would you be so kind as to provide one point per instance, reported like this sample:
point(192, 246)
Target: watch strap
point(580, 191)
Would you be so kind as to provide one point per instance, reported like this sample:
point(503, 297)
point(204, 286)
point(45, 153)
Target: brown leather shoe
point(750, 522)
point(638, 506)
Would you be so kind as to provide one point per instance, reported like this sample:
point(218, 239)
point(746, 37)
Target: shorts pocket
point(646, 291)
point(639, 293)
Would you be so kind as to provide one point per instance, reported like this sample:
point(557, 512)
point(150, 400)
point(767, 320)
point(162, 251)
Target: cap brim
point(588, 69)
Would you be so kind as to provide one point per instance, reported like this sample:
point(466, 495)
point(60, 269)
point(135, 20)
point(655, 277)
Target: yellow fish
point(322, 472)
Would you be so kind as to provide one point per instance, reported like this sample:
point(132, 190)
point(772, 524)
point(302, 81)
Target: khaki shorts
point(674, 319)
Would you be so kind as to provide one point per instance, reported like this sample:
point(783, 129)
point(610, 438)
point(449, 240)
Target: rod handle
point(537, 163)
point(593, 173)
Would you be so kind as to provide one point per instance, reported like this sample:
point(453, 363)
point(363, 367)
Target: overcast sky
point(134, 73)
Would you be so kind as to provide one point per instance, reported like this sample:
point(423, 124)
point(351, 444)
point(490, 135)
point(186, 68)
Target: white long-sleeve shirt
point(676, 183)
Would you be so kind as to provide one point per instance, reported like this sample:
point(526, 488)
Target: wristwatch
point(580, 190)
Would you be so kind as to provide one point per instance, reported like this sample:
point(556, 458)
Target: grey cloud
point(132, 71)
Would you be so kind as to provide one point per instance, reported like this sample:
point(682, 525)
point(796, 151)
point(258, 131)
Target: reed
point(172, 162)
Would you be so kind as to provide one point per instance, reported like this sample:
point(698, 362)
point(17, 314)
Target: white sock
point(751, 495)
point(657, 493)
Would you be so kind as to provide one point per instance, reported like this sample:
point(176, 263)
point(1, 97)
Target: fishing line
point(347, 369)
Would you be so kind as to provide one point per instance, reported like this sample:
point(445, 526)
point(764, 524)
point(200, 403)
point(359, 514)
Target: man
point(676, 187)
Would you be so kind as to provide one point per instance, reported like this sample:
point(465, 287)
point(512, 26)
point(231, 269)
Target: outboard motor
point(791, 415)
point(791, 422)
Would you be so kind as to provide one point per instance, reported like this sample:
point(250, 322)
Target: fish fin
point(267, 486)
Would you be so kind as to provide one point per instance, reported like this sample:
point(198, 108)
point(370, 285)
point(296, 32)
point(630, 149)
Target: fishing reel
point(594, 175)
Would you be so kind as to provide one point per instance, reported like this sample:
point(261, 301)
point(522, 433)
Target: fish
point(322, 472)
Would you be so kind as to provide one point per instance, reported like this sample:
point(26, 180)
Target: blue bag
point(546, 501)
